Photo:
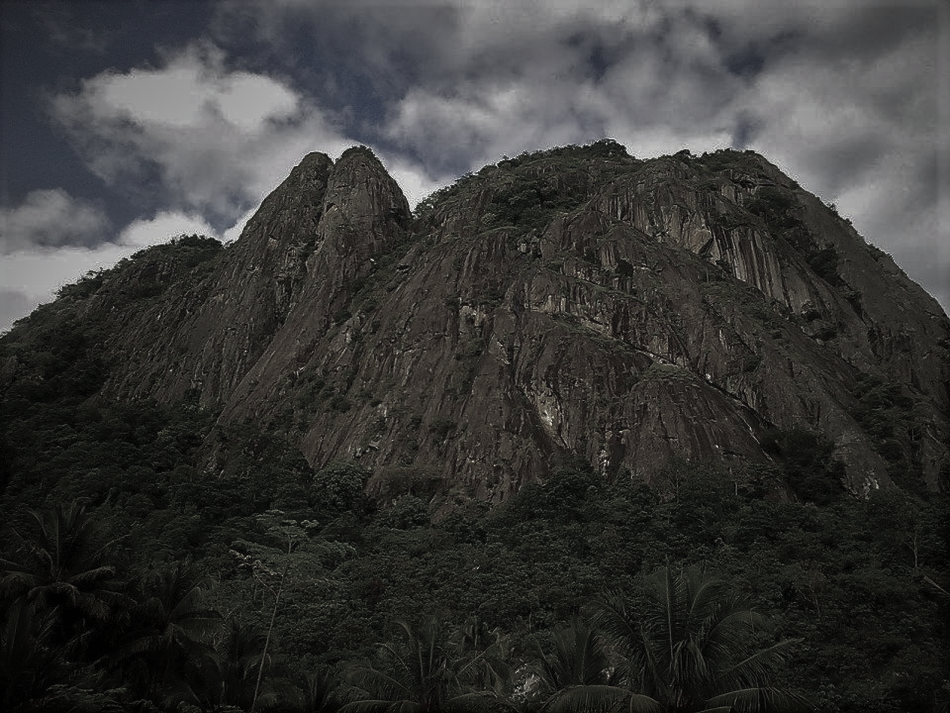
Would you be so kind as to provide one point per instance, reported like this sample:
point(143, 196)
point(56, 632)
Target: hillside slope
point(576, 302)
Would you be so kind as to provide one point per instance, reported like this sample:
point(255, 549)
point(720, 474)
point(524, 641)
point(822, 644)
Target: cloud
point(657, 81)
point(13, 305)
point(50, 218)
point(191, 93)
point(196, 134)
point(461, 84)
point(464, 130)
point(165, 225)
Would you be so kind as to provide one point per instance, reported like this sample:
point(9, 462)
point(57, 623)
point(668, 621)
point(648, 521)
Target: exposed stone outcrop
point(576, 302)
point(205, 335)
point(364, 215)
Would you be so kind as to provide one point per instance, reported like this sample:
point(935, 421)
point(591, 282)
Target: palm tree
point(168, 627)
point(60, 570)
point(226, 676)
point(28, 664)
point(577, 675)
point(693, 647)
point(319, 694)
point(423, 674)
point(481, 656)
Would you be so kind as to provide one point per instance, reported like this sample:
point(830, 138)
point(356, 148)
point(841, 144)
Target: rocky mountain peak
point(363, 211)
point(571, 303)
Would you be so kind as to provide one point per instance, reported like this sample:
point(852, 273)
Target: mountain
point(227, 473)
point(576, 303)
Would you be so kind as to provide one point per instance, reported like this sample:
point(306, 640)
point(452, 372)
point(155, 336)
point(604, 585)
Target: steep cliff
point(574, 302)
point(204, 330)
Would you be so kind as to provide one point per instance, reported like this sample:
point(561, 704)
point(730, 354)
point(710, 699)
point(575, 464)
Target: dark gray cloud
point(51, 218)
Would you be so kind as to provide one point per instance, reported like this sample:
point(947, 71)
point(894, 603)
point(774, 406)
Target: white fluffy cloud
point(165, 225)
point(190, 93)
point(209, 138)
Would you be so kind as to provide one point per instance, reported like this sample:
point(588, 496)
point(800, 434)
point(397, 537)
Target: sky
point(124, 124)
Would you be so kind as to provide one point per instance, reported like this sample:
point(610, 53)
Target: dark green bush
point(339, 486)
point(824, 263)
point(808, 465)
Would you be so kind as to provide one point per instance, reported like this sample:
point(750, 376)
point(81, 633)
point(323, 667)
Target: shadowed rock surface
point(574, 302)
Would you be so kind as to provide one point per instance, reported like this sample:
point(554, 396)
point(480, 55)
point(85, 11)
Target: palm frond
point(600, 699)
point(702, 595)
point(321, 692)
point(732, 624)
point(578, 658)
point(479, 702)
point(692, 640)
point(379, 706)
point(378, 684)
point(755, 668)
point(17, 581)
point(613, 617)
point(92, 576)
point(639, 703)
point(760, 700)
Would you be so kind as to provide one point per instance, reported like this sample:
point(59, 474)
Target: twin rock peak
point(571, 303)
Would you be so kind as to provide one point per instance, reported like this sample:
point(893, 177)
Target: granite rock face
point(206, 334)
point(571, 303)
